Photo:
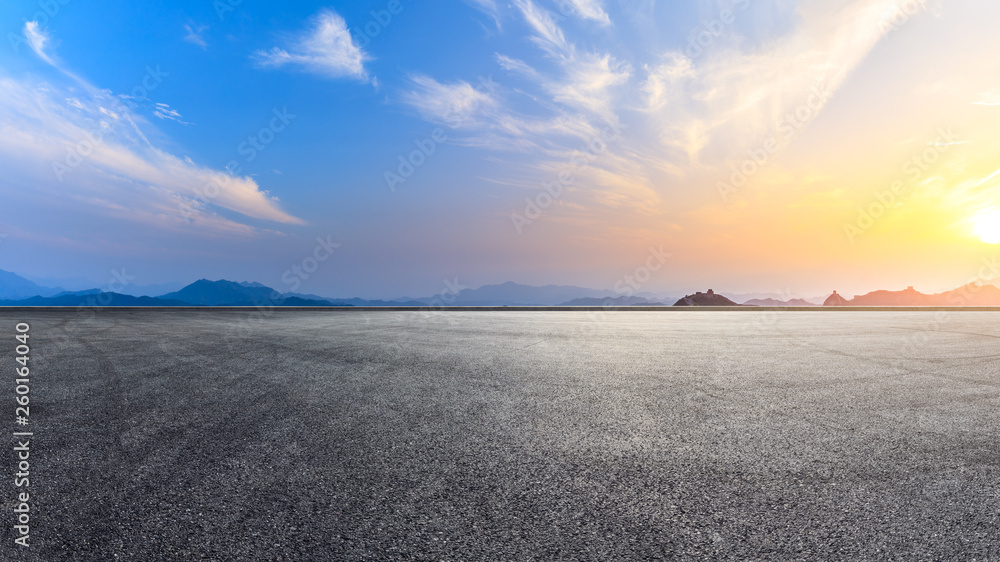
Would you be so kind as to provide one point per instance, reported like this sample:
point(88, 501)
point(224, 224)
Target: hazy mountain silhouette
point(967, 295)
point(88, 298)
point(67, 283)
point(609, 301)
point(15, 287)
point(216, 293)
point(776, 302)
point(148, 290)
point(970, 295)
point(376, 302)
point(282, 300)
point(710, 298)
point(907, 297)
point(230, 293)
point(85, 292)
point(776, 297)
point(16, 290)
point(511, 293)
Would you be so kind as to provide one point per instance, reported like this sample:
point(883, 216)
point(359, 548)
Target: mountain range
point(967, 295)
point(612, 301)
point(19, 291)
point(776, 302)
point(13, 286)
point(16, 290)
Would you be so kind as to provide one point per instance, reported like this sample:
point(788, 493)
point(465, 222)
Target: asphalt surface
point(285, 435)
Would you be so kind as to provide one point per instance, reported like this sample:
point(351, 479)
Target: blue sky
point(226, 137)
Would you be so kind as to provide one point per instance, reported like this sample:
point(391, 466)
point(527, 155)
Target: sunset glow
point(768, 146)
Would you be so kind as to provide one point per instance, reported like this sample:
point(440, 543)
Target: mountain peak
point(708, 298)
point(204, 292)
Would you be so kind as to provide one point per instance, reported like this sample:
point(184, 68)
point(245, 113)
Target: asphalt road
point(338, 435)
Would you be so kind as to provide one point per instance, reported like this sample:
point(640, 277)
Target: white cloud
point(686, 118)
point(588, 81)
point(588, 84)
point(457, 105)
point(728, 98)
point(194, 35)
point(37, 40)
point(83, 143)
point(488, 7)
point(591, 10)
point(547, 32)
point(519, 66)
point(164, 111)
point(94, 155)
point(326, 48)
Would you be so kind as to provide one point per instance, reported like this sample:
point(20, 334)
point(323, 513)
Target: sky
point(389, 148)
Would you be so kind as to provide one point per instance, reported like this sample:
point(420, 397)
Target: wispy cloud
point(82, 143)
point(547, 31)
point(591, 10)
point(588, 84)
point(37, 39)
point(587, 81)
point(194, 35)
point(488, 7)
point(457, 105)
point(687, 118)
point(729, 98)
point(518, 66)
point(326, 48)
point(164, 111)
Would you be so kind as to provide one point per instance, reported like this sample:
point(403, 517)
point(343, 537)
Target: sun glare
point(987, 226)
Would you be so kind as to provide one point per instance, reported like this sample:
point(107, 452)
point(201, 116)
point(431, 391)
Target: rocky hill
point(709, 298)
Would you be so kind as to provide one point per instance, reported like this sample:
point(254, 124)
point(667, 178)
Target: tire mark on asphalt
point(530, 345)
point(112, 412)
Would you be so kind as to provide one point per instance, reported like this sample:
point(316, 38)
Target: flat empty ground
point(232, 435)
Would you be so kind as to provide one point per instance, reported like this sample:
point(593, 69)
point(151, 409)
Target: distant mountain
point(283, 300)
point(230, 293)
point(609, 301)
point(908, 297)
point(705, 299)
point(359, 302)
point(148, 290)
point(67, 283)
point(967, 295)
point(84, 298)
point(86, 292)
point(199, 293)
point(82, 284)
point(13, 286)
point(218, 293)
point(835, 300)
point(776, 302)
point(16, 290)
point(392, 303)
point(511, 293)
point(779, 297)
point(970, 295)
